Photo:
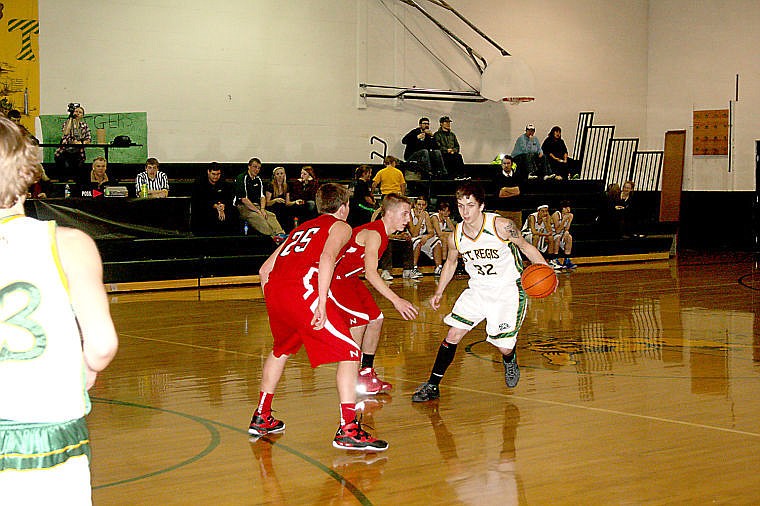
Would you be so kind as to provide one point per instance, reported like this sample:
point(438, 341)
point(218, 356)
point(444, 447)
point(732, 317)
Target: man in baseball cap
point(449, 146)
point(528, 155)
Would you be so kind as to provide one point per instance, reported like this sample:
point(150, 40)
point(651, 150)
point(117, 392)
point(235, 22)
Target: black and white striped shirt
point(161, 182)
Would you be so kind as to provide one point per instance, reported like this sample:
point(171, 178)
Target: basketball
point(539, 281)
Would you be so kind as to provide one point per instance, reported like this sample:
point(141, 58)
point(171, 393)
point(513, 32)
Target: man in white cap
point(528, 155)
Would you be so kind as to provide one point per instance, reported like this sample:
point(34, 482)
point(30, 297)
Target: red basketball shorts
point(291, 306)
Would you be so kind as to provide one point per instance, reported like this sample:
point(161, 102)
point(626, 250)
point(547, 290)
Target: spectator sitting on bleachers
point(98, 178)
point(303, 194)
point(559, 166)
point(626, 206)
point(443, 226)
point(421, 153)
point(424, 238)
point(362, 203)
point(449, 145)
point(250, 201)
point(611, 218)
point(155, 181)
point(278, 199)
point(506, 186)
point(563, 240)
point(527, 154)
point(389, 179)
point(538, 229)
point(212, 212)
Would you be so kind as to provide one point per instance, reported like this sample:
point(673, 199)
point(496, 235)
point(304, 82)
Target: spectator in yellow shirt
point(389, 178)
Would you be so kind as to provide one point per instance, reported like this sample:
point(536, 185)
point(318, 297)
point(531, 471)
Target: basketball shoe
point(351, 436)
point(426, 392)
point(511, 370)
point(263, 425)
point(369, 384)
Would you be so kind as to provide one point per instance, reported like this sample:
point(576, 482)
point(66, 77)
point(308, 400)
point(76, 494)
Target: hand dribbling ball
point(539, 281)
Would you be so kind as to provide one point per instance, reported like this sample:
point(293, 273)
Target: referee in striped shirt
point(156, 181)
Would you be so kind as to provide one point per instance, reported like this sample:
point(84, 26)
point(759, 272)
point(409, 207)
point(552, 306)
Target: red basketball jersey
point(352, 262)
point(302, 249)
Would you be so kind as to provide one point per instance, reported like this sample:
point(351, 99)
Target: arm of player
point(340, 233)
point(415, 229)
point(371, 241)
point(428, 226)
point(84, 271)
point(507, 230)
point(266, 268)
point(447, 273)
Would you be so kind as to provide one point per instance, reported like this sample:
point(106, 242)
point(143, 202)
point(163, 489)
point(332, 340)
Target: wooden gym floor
point(639, 386)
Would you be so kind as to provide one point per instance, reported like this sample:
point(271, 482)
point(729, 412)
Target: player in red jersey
point(367, 244)
point(296, 281)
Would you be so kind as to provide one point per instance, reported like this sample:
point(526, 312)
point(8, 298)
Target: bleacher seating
point(145, 259)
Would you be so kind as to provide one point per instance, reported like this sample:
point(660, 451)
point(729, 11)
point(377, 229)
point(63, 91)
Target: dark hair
point(13, 113)
point(312, 173)
point(330, 196)
point(213, 166)
point(507, 156)
point(444, 204)
point(360, 170)
point(151, 161)
point(424, 119)
point(254, 159)
point(471, 189)
point(564, 203)
point(555, 129)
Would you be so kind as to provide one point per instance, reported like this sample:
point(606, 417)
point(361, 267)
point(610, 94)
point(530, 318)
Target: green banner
point(108, 125)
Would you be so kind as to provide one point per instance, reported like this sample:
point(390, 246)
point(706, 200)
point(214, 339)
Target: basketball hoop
point(517, 100)
point(508, 79)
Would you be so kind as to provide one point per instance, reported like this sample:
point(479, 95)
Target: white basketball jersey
point(41, 361)
point(488, 259)
point(441, 222)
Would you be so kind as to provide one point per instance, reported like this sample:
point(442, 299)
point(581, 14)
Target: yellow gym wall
point(19, 59)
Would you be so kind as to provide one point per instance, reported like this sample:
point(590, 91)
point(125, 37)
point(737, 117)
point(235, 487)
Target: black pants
point(454, 164)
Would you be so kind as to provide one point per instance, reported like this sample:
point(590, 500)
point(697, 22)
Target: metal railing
point(374, 153)
point(601, 156)
point(647, 170)
point(621, 154)
point(594, 155)
point(585, 119)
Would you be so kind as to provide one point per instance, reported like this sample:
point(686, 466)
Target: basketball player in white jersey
point(50, 281)
point(490, 247)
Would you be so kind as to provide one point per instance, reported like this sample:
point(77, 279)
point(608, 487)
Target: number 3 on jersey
point(299, 242)
point(20, 320)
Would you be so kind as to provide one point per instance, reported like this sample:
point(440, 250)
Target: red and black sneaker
point(263, 425)
point(351, 436)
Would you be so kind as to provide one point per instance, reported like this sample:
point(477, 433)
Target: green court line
point(215, 439)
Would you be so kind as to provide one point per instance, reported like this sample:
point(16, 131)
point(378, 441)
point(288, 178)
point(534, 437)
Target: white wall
point(695, 51)
point(278, 79)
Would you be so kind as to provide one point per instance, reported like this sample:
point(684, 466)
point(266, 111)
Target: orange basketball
point(539, 281)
